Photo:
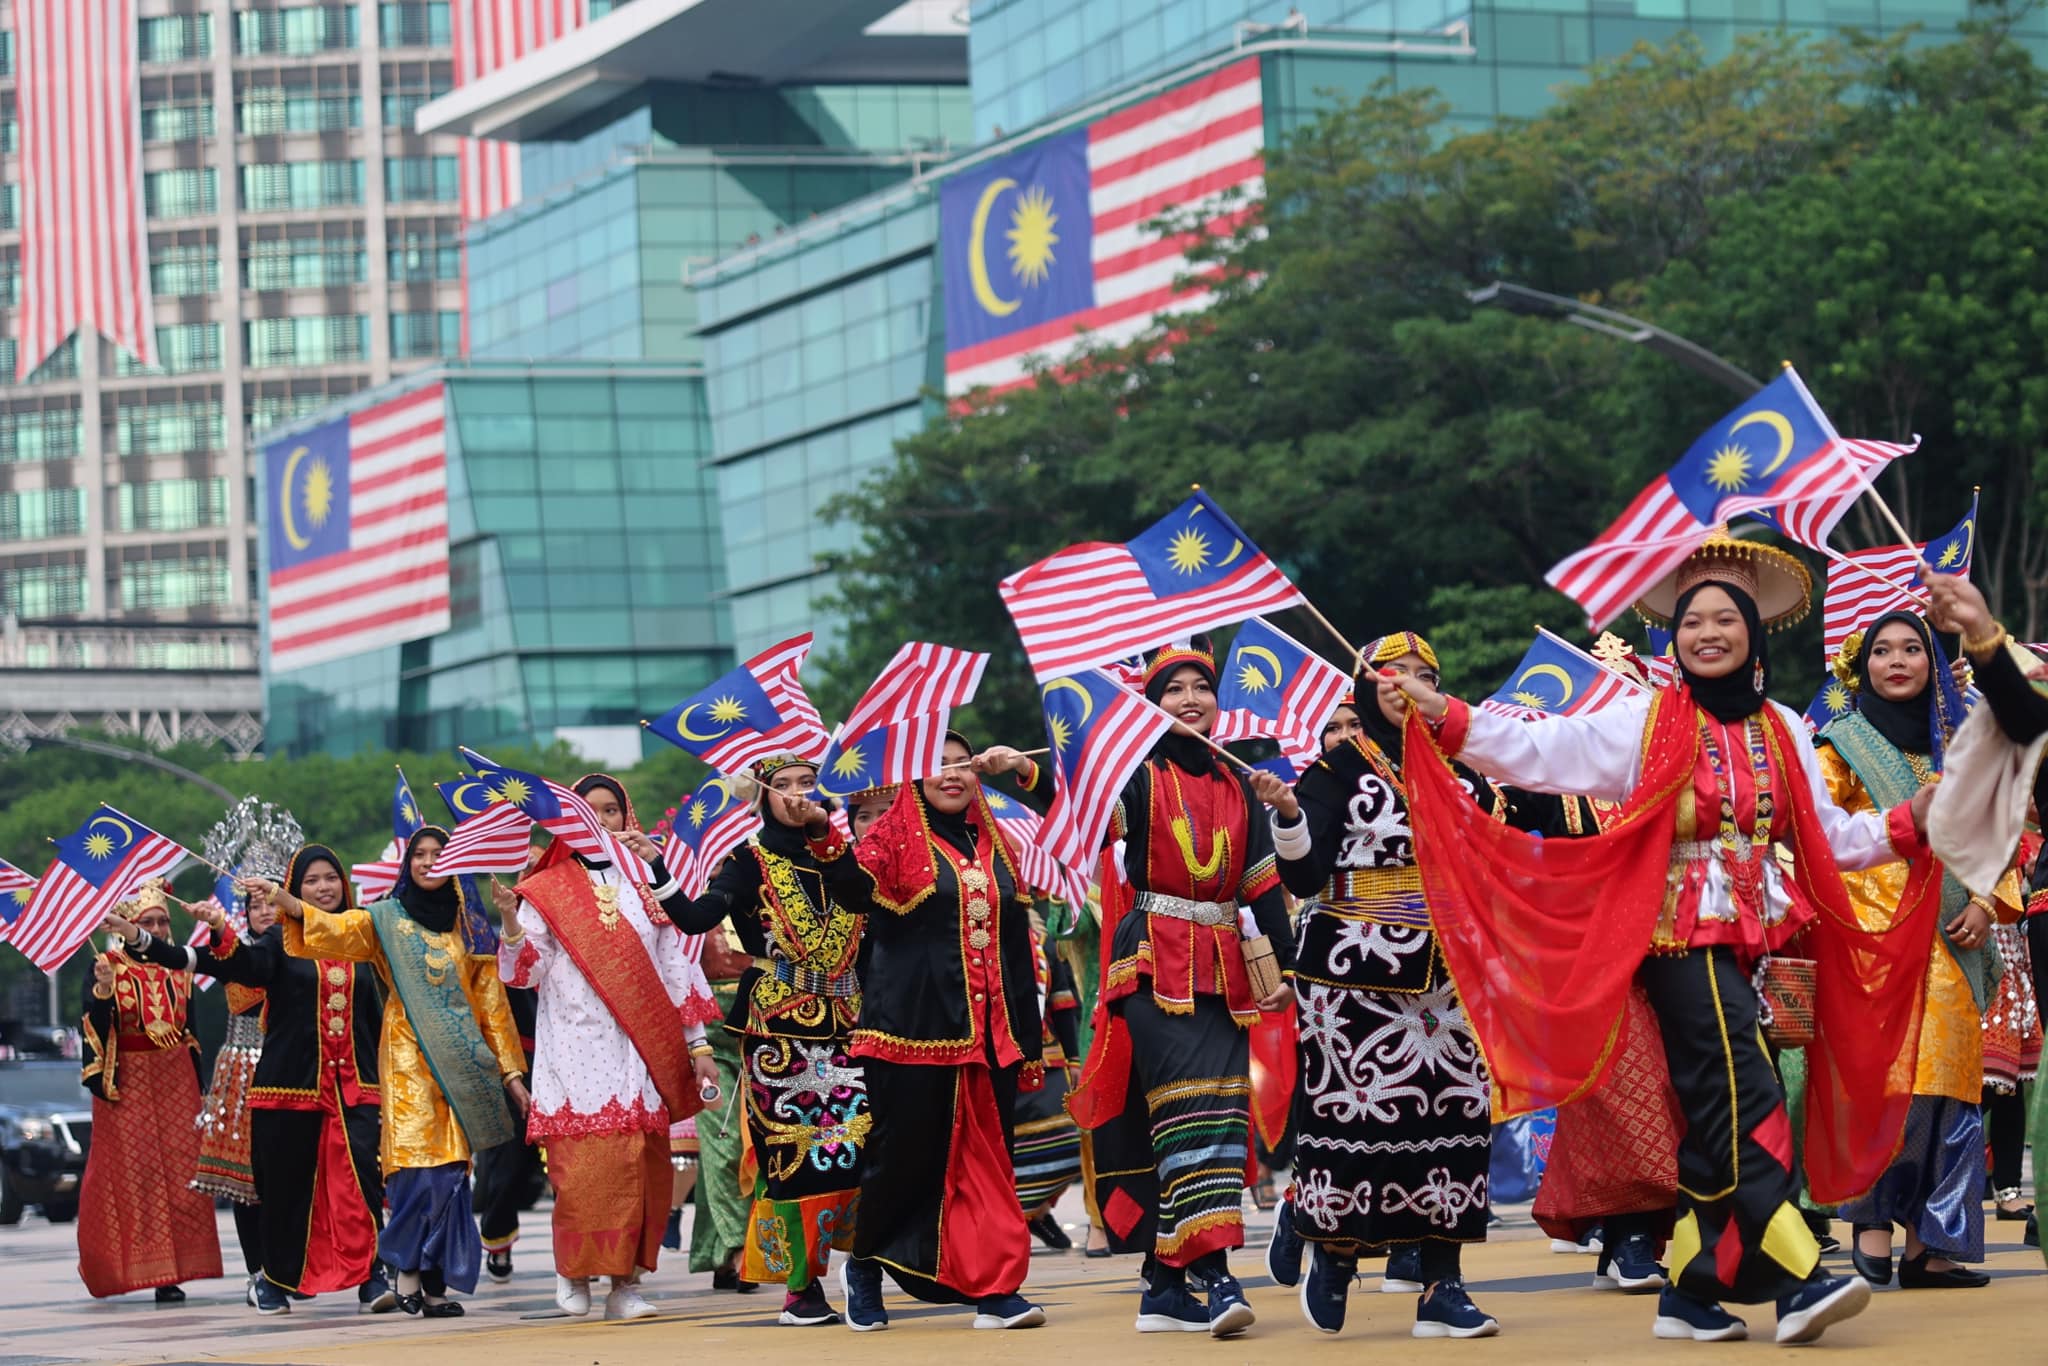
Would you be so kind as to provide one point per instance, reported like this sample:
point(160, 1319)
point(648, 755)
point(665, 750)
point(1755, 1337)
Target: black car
point(45, 1133)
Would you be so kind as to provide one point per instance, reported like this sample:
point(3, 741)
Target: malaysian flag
point(97, 866)
point(1051, 241)
point(375, 880)
point(1662, 660)
point(487, 35)
point(1861, 591)
point(756, 711)
point(1100, 733)
point(896, 733)
point(16, 887)
point(1775, 450)
point(1275, 687)
point(709, 825)
point(1040, 870)
point(358, 530)
point(1557, 678)
point(405, 812)
point(555, 808)
point(84, 249)
point(1811, 523)
point(1093, 603)
point(1831, 703)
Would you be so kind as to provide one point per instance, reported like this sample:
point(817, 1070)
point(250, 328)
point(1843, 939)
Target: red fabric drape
point(341, 1234)
point(1106, 1076)
point(1274, 1065)
point(1544, 936)
point(984, 1247)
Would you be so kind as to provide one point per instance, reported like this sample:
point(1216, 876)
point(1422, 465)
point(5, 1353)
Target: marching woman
point(1167, 1091)
point(1907, 708)
point(806, 1106)
point(948, 1033)
point(1544, 937)
point(140, 1226)
point(449, 1057)
point(613, 1064)
point(314, 1102)
point(1392, 1111)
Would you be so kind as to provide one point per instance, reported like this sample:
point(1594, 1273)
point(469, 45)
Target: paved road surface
point(1547, 1311)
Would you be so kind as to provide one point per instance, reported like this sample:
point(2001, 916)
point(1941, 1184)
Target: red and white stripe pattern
point(16, 887)
point(733, 827)
point(1181, 148)
point(202, 935)
point(66, 908)
point(498, 841)
point(488, 34)
point(84, 249)
point(1116, 741)
point(1811, 523)
point(1091, 604)
point(374, 881)
point(1040, 870)
point(1651, 538)
point(1858, 594)
point(920, 678)
point(801, 730)
point(390, 583)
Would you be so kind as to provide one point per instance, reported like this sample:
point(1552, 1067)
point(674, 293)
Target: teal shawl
point(429, 982)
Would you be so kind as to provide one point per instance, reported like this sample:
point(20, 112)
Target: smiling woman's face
point(1898, 663)
point(952, 789)
point(1712, 637)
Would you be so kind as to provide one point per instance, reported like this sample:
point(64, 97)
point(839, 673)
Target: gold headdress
point(1392, 646)
point(1776, 581)
point(152, 895)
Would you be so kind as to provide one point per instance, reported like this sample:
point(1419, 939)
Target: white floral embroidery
point(1441, 1199)
point(1317, 1195)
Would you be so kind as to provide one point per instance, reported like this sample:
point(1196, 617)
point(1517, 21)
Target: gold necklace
point(607, 904)
point(1184, 836)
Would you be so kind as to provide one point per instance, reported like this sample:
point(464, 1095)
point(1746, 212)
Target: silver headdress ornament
point(255, 839)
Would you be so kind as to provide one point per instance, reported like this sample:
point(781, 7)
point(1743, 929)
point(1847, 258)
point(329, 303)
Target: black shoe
point(375, 1296)
point(2032, 1237)
point(271, 1299)
point(2014, 1216)
point(1629, 1263)
point(169, 1294)
point(412, 1304)
point(1403, 1275)
point(1284, 1250)
point(1682, 1318)
point(672, 1235)
point(1008, 1311)
point(861, 1283)
point(1098, 1252)
point(728, 1278)
point(1876, 1270)
point(1446, 1311)
point(1326, 1288)
point(1829, 1244)
point(1914, 1275)
point(1229, 1312)
point(1808, 1311)
point(498, 1263)
point(807, 1308)
point(440, 1309)
point(1048, 1231)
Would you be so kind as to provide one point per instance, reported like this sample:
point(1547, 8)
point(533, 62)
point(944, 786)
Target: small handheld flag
point(710, 824)
point(753, 712)
point(405, 812)
point(1273, 685)
point(1100, 733)
point(1556, 678)
point(97, 866)
point(1858, 593)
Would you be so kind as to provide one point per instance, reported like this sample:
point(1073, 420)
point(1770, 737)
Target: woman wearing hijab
point(1545, 937)
point(1907, 707)
point(1394, 1125)
point(449, 1057)
point(611, 1068)
point(948, 1033)
point(1167, 1092)
point(314, 1100)
point(806, 1105)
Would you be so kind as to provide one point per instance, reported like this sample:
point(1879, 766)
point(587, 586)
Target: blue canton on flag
point(464, 797)
point(1016, 237)
point(405, 812)
point(1756, 451)
point(1831, 703)
point(723, 724)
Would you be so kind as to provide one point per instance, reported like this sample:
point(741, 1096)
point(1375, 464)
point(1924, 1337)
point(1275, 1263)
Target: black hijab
point(1373, 721)
point(302, 861)
point(786, 841)
point(950, 826)
point(1737, 695)
point(1187, 752)
point(433, 910)
point(1907, 724)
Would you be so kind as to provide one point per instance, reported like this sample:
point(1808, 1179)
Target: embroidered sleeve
point(1456, 725)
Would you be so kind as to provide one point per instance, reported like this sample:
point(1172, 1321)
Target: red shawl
point(1543, 938)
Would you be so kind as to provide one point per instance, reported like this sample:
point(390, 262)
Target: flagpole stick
point(1905, 536)
point(1022, 754)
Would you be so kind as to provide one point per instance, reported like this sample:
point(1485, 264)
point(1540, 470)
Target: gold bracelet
point(100, 993)
point(701, 1050)
point(1987, 644)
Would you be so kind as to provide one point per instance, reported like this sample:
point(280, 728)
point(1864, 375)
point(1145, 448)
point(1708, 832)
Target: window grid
point(296, 32)
point(34, 514)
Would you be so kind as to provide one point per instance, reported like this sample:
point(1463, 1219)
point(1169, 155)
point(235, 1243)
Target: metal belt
point(1181, 908)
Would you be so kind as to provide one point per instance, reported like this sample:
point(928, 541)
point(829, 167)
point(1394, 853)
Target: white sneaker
point(625, 1303)
point(572, 1295)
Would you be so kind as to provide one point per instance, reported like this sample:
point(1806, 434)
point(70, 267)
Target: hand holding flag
point(97, 866)
point(1100, 733)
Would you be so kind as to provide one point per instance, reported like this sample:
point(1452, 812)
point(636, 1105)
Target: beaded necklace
point(1744, 860)
point(1183, 827)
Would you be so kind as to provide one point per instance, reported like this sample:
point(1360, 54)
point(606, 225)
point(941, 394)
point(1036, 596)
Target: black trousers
point(1740, 1236)
point(505, 1176)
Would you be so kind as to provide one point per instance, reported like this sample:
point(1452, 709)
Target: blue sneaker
point(1172, 1310)
point(1229, 1312)
point(1404, 1271)
point(1682, 1318)
point(1008, 1311)
point(1448, 1312)
point(1284, 1248)
point(1324, 1292)
point(1808, 1311)
point(861, 1285)
point(1630, 1264)
point(270, 1298)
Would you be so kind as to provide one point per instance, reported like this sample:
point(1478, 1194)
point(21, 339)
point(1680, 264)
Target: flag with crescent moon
point(1557, 678)
point(1776, 451)
point(1092, 604)
point(356, 531)
point(1100, 732)
point(896, 733)
point(754, 712)
point(98, 865)
point(709, 825)
point(1861, 591)
point(16, 887)
point(1275, 687)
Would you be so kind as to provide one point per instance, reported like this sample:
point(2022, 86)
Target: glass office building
point(585, 573)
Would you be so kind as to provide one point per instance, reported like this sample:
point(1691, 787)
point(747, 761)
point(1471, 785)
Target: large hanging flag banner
point(1275, 687)
point(357, 526)
point(98, 865)
point(1557, 678)
point(486, 35)
point(1046, 249)
point(84, 249)
point(1776, 450)
point(1093, 603)
point(1860, 593)
point(1100, 732)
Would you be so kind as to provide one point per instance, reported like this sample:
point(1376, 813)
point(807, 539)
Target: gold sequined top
point(1951, 1059)
point(419, 1129)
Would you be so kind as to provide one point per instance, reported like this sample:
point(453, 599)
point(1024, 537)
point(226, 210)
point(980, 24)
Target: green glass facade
point(585, 573)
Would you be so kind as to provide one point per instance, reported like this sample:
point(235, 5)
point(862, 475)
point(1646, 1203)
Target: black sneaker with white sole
point(1229, 1312)
point(1682, 1318)
point(807, 1308)
point(1008, 1311)
point(1404, 1271)
point(271, 1299)
point(1326, 1288)
point(861, 1283)
point(1446, 1311)
point(1172, 1310)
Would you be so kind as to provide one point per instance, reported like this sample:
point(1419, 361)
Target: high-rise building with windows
point(303, 244)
